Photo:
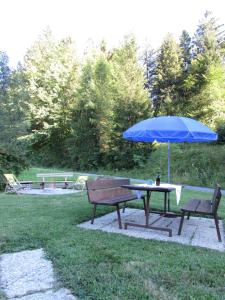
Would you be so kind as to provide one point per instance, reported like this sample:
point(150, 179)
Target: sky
point(23, 21)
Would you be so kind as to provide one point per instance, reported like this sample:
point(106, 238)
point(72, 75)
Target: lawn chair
point(203, 207)
point(80, 183)
point(13, 185)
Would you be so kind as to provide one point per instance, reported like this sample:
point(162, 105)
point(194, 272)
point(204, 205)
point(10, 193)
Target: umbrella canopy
point(170, 129)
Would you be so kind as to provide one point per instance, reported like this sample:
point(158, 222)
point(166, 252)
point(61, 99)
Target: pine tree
point(131, 104)
point(92, 114)
point(186, 49)
point(208, 56)
point(149, 62)
point(168, 75)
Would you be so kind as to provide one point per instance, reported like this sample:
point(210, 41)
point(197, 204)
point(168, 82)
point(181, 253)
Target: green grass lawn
point(99, 265)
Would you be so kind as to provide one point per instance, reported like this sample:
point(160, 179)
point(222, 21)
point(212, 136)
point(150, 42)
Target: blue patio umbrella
point(170, 129)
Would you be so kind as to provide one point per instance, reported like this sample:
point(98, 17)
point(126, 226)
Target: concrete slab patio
point(48, 191)
point(196, 231)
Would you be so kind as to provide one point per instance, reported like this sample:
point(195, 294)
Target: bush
point(10, 163)
point(195, 164)
point(221, 134)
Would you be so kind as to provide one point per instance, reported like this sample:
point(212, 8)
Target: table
point(149, 189)
point(63, 174)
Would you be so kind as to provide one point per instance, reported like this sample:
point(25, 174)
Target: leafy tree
point(51, 71)
point(4, 83)
point(221, 133)
point(12, 122)
point(214, 91)
point(12, 117)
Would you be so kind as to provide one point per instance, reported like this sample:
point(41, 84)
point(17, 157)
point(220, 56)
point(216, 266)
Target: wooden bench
point(109, 192)
point(64, 175)
point(203, 207)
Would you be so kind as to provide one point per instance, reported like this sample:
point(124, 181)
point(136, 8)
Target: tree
point(111, 98)
point(4, 83)
point(12, 122)
point(186, 49)
point(199, 92)
point(51, 71)
point(149, 61)
point(92, 113)
point(13, 119)
point(168, 74)
point(209, 37)
point(131, 104)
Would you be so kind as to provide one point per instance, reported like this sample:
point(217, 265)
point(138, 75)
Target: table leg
point(147, 215)
point(147, 208)
point(165, 203)
point(168, 202)
point(167, 213)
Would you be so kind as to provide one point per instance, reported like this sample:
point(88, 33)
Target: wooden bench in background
point(109, 192)
point(203, 207)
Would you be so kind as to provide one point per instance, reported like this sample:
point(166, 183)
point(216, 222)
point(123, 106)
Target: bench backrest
point(103, 189)
point(82, 179)
point(216, 199)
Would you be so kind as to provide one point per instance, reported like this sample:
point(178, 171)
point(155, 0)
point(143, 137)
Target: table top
point(148, 187)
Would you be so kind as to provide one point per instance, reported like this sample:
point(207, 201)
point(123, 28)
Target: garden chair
point(79, 184)
point(13, 185)
point(203, 207)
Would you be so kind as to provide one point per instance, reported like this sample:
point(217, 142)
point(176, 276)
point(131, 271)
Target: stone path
point(196, 231)
point(27, 275)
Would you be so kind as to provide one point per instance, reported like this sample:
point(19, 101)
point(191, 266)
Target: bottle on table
point(157, 182)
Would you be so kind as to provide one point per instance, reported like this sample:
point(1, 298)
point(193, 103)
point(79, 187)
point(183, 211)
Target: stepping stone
point(62, 294)
point(28, 275)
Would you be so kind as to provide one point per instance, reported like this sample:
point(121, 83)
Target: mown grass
point(100, 266)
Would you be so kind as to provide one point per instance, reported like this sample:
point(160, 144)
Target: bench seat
point(198, 206)
point(115, 200)
point(203, 207)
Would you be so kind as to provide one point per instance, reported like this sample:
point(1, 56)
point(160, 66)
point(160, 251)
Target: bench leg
point(93, 215)
point(124, 206)
point(217, 228)
point(181, 223)
point(188, 216)
point(118, 215)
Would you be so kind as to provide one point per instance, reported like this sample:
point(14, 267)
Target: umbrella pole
point(168, 162)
